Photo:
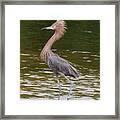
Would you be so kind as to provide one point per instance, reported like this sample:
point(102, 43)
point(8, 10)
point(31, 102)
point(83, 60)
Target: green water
point(80, 45)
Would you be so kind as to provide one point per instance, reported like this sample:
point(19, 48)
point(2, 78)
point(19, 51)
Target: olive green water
point(80, 45)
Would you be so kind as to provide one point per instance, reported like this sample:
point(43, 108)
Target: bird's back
point(60, 65)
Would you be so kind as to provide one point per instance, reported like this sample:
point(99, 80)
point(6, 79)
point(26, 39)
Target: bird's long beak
point(47, 28)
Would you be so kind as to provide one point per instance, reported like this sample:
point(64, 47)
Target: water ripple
point(38, 81)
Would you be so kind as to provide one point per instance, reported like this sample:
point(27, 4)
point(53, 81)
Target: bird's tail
point(74, 73)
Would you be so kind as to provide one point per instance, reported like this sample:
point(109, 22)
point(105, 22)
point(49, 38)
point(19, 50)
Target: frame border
point(117, 58)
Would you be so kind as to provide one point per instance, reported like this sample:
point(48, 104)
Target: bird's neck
point(56, 36)
point(46, 51)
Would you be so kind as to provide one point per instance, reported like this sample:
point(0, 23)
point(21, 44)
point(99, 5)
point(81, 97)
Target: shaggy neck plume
point(46, 51)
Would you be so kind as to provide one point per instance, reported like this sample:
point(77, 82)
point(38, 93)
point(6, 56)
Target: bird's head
point(59, 26)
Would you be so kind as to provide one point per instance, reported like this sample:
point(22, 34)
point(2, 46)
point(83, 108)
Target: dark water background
point(80, 45)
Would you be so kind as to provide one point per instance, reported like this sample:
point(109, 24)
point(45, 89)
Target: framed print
point(60, 60)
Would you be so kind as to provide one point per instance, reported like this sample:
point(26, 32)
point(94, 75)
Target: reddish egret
point(58, 65)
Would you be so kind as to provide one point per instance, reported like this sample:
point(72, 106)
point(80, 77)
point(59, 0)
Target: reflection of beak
point(47, 28)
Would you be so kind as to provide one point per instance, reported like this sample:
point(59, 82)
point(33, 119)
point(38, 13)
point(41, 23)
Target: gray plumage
point(60, 65)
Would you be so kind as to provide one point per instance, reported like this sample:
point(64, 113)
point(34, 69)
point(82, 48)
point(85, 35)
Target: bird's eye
point(53, 27)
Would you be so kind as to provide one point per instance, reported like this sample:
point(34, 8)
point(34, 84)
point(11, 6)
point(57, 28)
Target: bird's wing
point(60, 65)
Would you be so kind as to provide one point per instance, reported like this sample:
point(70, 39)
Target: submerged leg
point(71, 86)
point(59, 88)
point(59, 85)
point(70, 89)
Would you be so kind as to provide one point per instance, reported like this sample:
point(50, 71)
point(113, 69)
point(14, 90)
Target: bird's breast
point(45, 54)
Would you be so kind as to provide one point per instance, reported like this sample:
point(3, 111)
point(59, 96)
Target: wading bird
point(58, 65)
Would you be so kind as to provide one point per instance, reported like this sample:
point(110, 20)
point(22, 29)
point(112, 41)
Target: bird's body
point(57, 64)
point(60, 65)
